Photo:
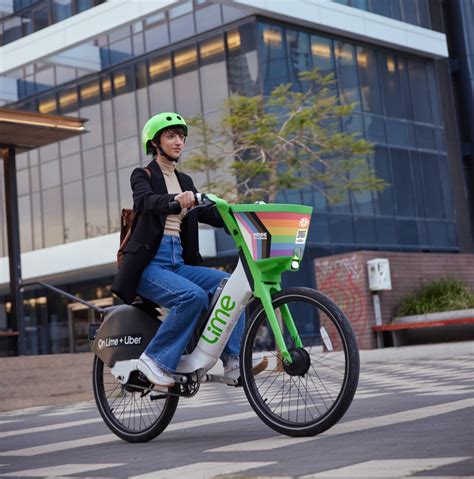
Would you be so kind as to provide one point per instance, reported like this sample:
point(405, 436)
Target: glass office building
point(190, 58)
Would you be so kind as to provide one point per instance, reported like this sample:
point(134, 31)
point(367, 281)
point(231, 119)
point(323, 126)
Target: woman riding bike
point(162, 256)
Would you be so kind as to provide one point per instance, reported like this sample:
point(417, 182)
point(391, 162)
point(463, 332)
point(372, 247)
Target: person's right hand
point(185, 199)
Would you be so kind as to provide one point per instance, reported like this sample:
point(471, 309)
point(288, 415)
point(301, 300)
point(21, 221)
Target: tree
point(287, 141)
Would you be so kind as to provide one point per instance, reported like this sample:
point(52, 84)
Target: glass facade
point(29, 16)
point(416, 12)
point(398, 111)
point(74, 189)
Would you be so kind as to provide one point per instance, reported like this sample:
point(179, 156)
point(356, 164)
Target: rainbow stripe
point(273, 234)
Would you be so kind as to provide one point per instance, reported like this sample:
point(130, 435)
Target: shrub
point(446, 294)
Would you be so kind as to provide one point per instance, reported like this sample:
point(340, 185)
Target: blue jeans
point(186, 291)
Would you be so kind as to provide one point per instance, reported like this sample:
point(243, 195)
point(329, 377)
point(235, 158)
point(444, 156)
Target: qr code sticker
point(301, 236)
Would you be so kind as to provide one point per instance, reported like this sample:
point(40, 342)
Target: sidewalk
point(30, 381)
point(429, 351)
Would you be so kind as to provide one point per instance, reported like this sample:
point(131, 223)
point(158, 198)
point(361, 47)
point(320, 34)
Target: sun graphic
point(304, 222)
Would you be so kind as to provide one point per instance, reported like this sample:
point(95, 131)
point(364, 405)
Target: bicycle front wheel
point(313, 393)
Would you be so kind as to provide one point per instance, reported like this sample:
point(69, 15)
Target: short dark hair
point(179, 130)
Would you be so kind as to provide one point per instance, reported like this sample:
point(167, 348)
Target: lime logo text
point(220, 318)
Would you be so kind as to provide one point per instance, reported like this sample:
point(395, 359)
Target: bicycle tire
point(340, 367)
point(130, 398)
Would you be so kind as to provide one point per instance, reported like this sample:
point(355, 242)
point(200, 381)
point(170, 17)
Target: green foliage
point(289, 140)
point(446, 294)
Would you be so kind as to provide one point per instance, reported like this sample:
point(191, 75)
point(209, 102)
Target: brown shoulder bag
point(127, 218)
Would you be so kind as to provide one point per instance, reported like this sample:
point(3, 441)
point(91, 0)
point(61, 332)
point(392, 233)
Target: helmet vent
point(178, 117)
point(169, 118)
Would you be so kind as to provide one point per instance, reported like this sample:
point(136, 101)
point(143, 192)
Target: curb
point(421, 351)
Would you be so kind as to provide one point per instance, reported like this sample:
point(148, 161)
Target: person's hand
point(185, 199)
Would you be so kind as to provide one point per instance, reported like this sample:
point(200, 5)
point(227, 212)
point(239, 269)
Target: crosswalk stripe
point(10, 421)
point(91, 441)
point(50, 427)
point(347, 427)
point(202, 470)
point(387, 468)
point(58, 471)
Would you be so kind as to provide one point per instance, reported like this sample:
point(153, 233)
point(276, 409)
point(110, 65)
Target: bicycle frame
point(253, 275)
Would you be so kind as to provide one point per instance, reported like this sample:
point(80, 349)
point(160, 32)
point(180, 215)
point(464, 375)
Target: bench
point(8, 334)
point(410, 324)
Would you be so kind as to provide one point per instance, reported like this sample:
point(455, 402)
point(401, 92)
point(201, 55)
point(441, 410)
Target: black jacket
point(150, 203)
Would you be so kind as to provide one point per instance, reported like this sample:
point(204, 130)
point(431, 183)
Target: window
point(418, 184)
point(383, 200)
point(61, 9)
point(71, 168)
point(341, 229)
point(364, 229)
point(419, 90)
point(24, 213)
point(125, 118)
point(272, 51)
point(94, 126)
point(96, 206)
point(93, 161)
point(347, 74)
point(381, 7)
point(52, 217)
point(242, 63)
point(74, 225)
point(50, 174)
point(408, 232)
point(409, 11)
point(208, 18)
point(390, 85)
point(299, 56)
point(402, 183)
point(369, 81)
point(213, 74)
point(431, 179)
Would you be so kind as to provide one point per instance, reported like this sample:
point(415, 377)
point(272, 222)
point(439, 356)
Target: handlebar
point(200, 200)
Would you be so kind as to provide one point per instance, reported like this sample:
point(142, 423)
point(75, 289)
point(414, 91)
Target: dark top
point(151, 205)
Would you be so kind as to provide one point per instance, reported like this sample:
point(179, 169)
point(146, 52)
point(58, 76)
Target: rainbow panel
point(273, 234)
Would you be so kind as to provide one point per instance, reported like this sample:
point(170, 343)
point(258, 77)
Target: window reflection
point(185, 60)
point(347, 74)
point(61, 9)
point(402, 183)
point(369, 80)
point(159, 68)
point(74, 225)
point(299, 56)
point(273, 57)
point(96, 206)
point(26, 232)
point(52, 217)
point(390, 85)
point(242, 63)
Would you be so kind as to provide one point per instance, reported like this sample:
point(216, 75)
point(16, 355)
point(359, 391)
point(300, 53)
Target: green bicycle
point(304, 346)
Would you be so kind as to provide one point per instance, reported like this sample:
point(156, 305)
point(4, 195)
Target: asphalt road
point(411, 418)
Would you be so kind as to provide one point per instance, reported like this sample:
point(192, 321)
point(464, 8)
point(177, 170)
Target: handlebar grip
point(174, 207)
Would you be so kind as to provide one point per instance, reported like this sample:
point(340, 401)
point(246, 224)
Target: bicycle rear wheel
point(132, 411)
point(313, 393)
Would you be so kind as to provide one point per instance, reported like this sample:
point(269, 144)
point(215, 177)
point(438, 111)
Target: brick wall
point(344, 278)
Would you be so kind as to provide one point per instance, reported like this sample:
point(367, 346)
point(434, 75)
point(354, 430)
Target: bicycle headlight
point(295, 264)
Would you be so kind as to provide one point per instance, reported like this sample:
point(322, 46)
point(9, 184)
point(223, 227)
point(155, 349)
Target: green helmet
point(159, 122)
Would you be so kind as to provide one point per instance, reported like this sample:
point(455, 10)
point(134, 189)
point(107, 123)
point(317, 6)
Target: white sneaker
point(153, 372)
point(232, 367)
